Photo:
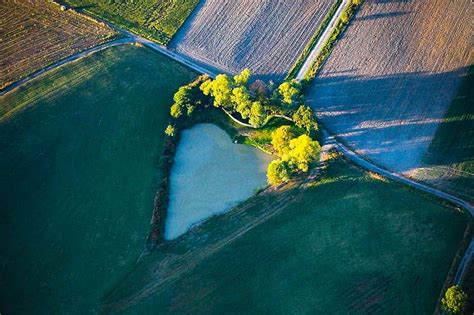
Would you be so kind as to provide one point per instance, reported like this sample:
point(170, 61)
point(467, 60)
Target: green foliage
point(243, 77)
point(303, 151)
point(176, 110)
point(288, 92)
point(187, 98)
point(241, 99)
point(170, 131)
point(454, 300)
point(257, 114)
point(304, 118)
point(281, 139)
point(296, 154)
point(220, 89)
point(278, 172)
point(155, 20)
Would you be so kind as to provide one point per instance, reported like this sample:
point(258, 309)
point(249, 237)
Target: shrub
point(303, 151)
point(278, 172)
point(281, 139)
point(304, 118)
point(170, 131)
point(454, 300)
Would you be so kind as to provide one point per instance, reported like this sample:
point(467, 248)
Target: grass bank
point(347, 243)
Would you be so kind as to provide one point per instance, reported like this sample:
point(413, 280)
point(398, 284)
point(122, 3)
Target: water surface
point(210, 176)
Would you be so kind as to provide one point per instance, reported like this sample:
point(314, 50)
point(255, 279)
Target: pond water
point(210, 176)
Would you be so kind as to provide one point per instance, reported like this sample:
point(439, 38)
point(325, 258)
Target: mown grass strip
point(341, 25)
point(299, 62)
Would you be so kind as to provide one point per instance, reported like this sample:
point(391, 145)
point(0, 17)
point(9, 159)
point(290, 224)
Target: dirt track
point(390, 80)
point(265, 36)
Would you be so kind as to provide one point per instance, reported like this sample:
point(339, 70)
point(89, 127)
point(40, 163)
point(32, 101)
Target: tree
point(454, 300)
point(303, 151)
point(278, 172)
point(220, 89)
point(170, 130)
point(257, 114)
point(304, 118)
point(243, 77)
point(281, 139)
point(289, 92)
point(176, 110)
point(241, 99)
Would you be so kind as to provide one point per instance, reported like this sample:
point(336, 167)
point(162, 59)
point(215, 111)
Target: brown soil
point(392, 76)
point(34, 34)
point(265, 36)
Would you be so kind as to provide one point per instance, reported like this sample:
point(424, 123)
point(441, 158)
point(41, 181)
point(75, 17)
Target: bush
point(278, 172)
point(454, 300)
point(170, 131)
point(304, 118)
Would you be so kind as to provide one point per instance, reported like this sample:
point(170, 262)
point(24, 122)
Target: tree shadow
point(403, 121)
point(382, 15)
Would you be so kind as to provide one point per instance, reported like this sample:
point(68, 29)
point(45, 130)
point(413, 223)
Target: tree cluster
point(232, 94)
point(454, 300)
point(296, 155)
point(188, 98)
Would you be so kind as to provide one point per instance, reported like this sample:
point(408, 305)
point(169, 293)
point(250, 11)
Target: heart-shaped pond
point(210, 175)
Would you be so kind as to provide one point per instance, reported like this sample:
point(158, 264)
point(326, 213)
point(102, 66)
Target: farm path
point(321, 41)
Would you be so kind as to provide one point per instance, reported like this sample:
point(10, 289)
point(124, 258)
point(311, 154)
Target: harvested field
point(34, 34)
point(156, 20)
point(265, 36)
point(387, 87)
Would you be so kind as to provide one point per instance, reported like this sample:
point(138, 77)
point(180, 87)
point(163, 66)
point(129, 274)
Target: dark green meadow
point(78, 176)
point(348, 243)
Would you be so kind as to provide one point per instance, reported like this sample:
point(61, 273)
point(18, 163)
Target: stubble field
point(37, 33)
point(387, 87)
point(265, 36)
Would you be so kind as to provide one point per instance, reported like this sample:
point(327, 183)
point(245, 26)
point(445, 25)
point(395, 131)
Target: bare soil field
point(265, 36)
point(391, 83)
point(34, 34)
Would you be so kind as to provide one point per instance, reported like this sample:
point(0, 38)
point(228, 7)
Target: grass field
point(156, 20)
point(348, 243)
point(78, 177)
point(387, 87)
point(35, 34)
point(262, 35)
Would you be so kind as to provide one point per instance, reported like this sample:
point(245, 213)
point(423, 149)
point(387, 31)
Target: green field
point(156, 20)
point(78, 177)
point(346, 244)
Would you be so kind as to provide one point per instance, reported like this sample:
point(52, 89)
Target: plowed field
point(34, 34)
point(388, 84)
point(265, 36)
